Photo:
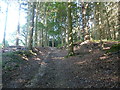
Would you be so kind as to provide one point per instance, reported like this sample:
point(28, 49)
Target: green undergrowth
point(114, 48)
point(60, 45)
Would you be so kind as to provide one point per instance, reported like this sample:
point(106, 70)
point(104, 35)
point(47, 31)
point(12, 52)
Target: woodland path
point(56, 71)
point(52, 72)
point(83, 71)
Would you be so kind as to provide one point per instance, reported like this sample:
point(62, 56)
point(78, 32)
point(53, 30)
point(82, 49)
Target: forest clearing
point(61, 45)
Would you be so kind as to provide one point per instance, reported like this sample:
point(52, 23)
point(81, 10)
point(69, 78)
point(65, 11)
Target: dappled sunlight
point(90, 50)
point(103, 57)
point(55, 44)
point(36, 49)
point(79, 63)
point(25, 58)
point(70, 44)
point(85, 42)
point(69, 38)
point(37, 58)
point(41, 53)
point(106, 48)
point(115, 78)
point(43, 63)
point(32, 52)
point(58, 58)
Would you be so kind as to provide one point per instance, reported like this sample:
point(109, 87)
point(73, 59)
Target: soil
point(50, 68)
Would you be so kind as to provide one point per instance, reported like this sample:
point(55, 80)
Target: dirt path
point(83, 71)
point(51, 73)
point(56, 71)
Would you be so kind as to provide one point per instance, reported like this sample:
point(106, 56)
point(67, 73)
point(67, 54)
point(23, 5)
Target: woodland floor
point(50, 68)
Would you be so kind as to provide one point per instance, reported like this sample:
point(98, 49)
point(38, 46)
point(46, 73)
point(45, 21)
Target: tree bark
point(18, 27)
point(83, 20)
point(42, 38)
point(4, 37)
point(30, 44)
point(53, 41)
point(70, 37)
point(118, 20)
point(36, 31)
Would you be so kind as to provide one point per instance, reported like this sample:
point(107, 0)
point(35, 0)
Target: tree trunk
point(53, 41)
point(83, 21)
point(108, 27)
point(4, 37)
point(98, 20)
point(30, 43)
point(118, 21)
point(45, 22)
point(70, 37)
point(42, 38)
point(18, 27)
point(36, 31)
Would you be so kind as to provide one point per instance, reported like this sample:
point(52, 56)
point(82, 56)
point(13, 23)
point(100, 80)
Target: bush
point(60, 45)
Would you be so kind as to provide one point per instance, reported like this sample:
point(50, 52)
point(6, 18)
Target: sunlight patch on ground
point(85, 42)
point(82, 62)
point(41, 53)
point(37, 58)
point(36, 49)
point(90, 50)
point(106, 48)
point(58, 58)
point(25, 58)
point(43, 63)
point(115, 78)
point(103, 57)
point(32, 52)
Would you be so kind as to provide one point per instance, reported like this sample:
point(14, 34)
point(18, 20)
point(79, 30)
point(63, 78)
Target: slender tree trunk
point(61, 31)
point(28, 23)
point(18, 27)
point(53, 41)
point(42, 38)
point(66, 33)
point(4, 37)
point(70, 37)
point(30, 43)
point(26, 41)
point(83, 20)
point(108, 27)
point(36, 31)
point(39, 43)
point(98, 20)
point(114, 33)
point(46, 39)
point(118, 22)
